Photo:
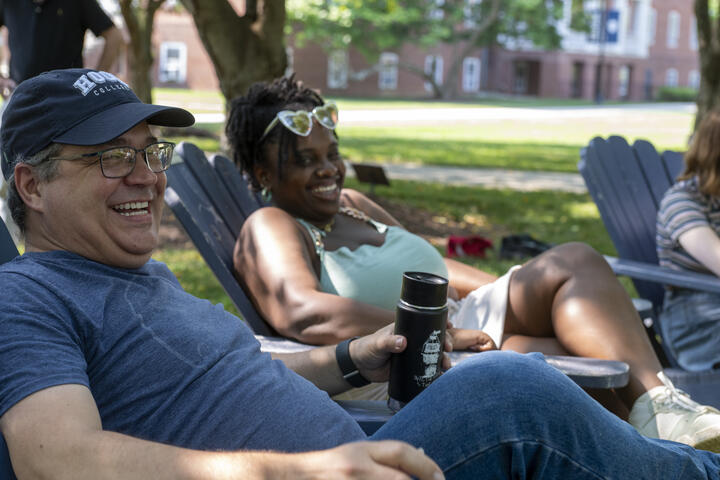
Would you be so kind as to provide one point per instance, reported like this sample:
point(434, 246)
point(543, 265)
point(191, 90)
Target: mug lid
point(422, 289)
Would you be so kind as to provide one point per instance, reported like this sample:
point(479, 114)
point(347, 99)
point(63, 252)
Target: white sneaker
point(670, 414)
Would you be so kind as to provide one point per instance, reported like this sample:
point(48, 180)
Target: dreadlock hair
point(250, 115)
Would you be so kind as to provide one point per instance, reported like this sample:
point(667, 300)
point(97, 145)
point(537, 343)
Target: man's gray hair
point(45, 170)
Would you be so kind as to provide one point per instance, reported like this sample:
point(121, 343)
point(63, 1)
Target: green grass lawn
point(533, 143)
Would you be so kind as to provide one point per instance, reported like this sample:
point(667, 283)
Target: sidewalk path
point(526, 181)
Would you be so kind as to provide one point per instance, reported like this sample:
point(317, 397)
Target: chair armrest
point(667, 276)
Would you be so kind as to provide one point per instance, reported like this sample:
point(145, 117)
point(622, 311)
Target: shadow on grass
point(464, 153)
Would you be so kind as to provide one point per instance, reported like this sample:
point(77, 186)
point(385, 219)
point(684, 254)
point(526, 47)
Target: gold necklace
point(350, 212)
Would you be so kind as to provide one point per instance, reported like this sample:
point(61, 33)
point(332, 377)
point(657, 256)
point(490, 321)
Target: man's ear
point(28, 186)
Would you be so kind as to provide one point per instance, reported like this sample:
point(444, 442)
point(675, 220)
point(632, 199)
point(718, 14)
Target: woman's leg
point(503, 415)
point(570, 293)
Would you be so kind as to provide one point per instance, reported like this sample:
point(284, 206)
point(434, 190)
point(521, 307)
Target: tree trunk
point(709, 51)
point(243, 49)
point(428, 77)
point(139, 21)
point(449, 89)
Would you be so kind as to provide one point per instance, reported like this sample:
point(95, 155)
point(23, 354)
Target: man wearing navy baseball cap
point(108, 369)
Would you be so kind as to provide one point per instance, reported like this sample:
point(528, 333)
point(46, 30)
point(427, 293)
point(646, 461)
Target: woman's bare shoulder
point(270, 221)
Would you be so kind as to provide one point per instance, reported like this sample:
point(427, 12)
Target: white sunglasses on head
point(300, 122)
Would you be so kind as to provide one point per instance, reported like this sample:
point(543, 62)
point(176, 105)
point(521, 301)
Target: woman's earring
point(266, 195)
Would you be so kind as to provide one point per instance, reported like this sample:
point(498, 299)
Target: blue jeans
point(505, 415)
point(690, 324)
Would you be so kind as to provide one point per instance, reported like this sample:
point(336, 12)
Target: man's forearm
point(317, 365)
point(110, 455)
point(111, 50)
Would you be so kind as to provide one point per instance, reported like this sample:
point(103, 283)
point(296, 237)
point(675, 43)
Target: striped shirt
point(683, 208)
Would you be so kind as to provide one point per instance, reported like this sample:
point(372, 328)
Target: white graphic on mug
point(430, 355)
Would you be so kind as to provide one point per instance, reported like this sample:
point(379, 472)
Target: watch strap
point(349, 370)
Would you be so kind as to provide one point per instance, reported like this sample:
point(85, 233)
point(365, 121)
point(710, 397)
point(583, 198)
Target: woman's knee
point(569, 259)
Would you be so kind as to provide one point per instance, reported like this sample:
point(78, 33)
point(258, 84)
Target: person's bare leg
point(570, 293)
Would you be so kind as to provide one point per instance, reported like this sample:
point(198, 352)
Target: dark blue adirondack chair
point(627, 184)
point(8, 251)
point(211, 200)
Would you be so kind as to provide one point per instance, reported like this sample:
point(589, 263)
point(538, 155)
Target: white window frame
point(672, 77)
point(337, 69)
point(623, 81)
point(388, 71)
point(693, 41)
point(165, 64)
point(652, 25)
point(694, 79)
point(437, 13)
point(469, 21)
point(520, 82)
point(471, 79)
point(437, 61)
point(673, 29)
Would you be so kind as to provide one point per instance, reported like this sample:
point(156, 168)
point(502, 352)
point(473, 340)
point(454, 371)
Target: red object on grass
point(472, 246)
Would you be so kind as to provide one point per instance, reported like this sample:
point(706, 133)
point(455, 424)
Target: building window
point(673, 29)
point(693, 34)
point(437, 13)
point(652, 24)
point(173, 62)
point(671, 77)
point(623, 82)
point(694, 79)
point(520, 77)
point(337, 69)
point(471, 74)
point(388, 74)
point(471, 11)
point(434, 68)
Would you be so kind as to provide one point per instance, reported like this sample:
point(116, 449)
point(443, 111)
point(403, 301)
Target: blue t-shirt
point(161, 364)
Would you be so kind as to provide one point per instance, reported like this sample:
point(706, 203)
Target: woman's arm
point(274, 260)
point(704, 245)
point(464, 278)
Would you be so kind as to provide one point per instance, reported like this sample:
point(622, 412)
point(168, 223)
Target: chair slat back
point(211, 235)
point(236, 185)
point(627, 184)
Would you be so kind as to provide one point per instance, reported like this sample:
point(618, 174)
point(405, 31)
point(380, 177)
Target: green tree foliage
point(374, 26)
point(708, 28)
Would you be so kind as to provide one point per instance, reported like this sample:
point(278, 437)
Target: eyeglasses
point(119, 162)
point(300, 121)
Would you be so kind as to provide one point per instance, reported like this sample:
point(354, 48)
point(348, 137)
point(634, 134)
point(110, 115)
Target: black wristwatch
point(349, 370)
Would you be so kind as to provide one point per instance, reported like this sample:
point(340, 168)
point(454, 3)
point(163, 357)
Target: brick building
point(646, 44)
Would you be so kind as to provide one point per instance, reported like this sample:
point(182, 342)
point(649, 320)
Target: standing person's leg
point(504, 415)
point(571, 293)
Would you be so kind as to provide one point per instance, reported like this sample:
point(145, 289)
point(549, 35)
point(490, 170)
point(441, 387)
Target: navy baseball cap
point(75, 106)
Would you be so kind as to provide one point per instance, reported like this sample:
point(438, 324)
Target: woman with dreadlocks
point(324, 264)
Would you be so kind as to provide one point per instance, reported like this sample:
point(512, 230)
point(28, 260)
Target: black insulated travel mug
point(421, 317)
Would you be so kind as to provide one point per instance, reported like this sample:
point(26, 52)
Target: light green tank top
point(373, 274)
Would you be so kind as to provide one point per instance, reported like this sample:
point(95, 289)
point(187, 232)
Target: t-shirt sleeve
point(95, 18)
point(680, 212)
point(38, 346)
